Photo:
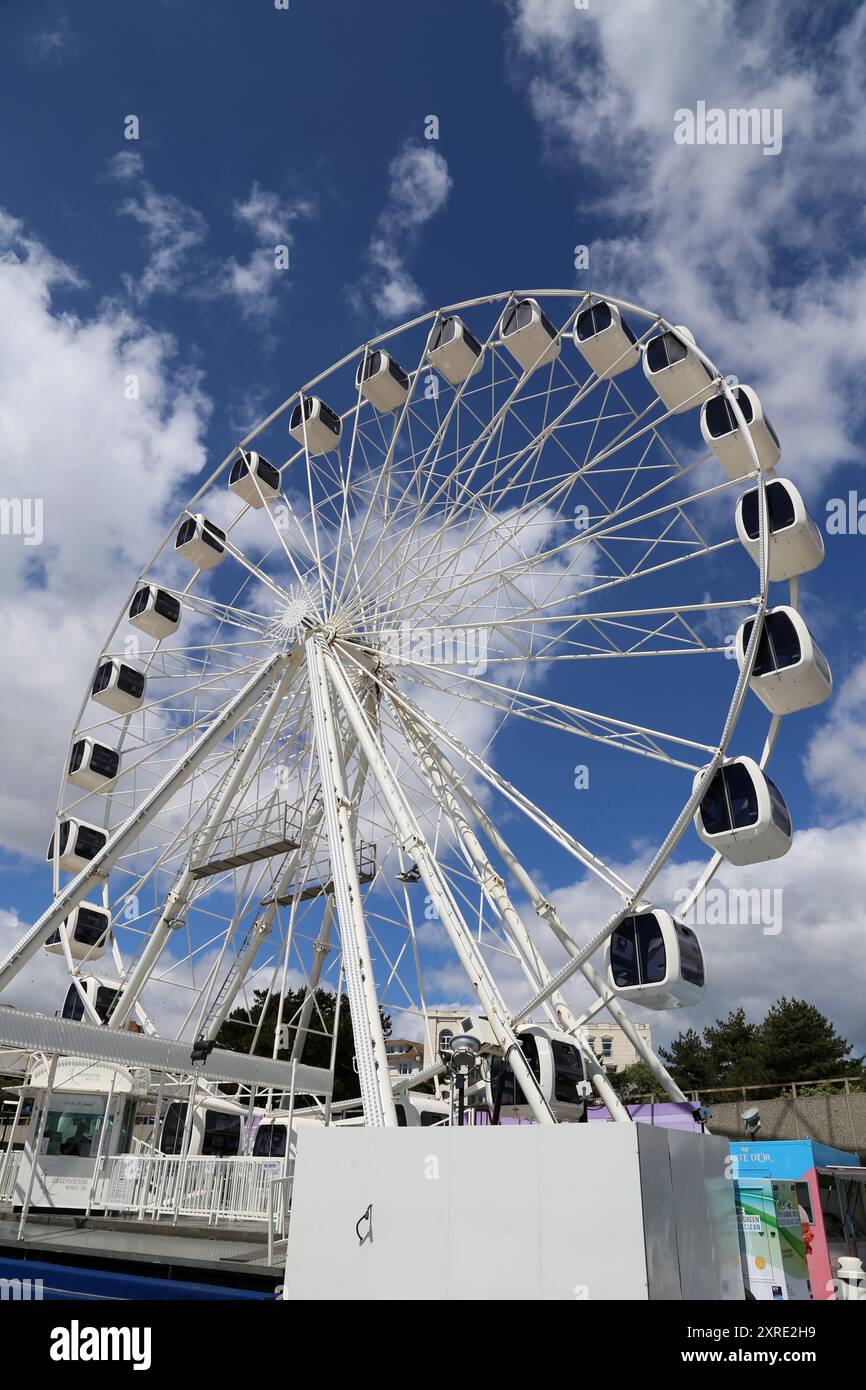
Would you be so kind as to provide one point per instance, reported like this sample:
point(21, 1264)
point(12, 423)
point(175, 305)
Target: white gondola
point(605, 339)
point(529, 335)
point(87, 932)
point(556, 1063)
point(254, 480)
point(656, 961)
point(154, 611)
point(675, 372)
point(790, 671)
point(315, 426)
point(78, 843)
point(795, 543)
point(216, 1131)
point(722, 433)
point(743, 814)
point(418, 1111)
point(453, 350)
point(118, 686)
point(92, 765)
point(200, 542)
point(102, 994)
point(382, 381)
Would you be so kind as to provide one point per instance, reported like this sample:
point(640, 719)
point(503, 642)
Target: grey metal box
point(514, 1212)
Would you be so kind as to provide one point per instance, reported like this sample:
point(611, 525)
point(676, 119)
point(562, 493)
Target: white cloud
point(171, 227)
point(836, 756)
point(419, 185)
point(709, 235)
point(270, 219)
point(108, 471)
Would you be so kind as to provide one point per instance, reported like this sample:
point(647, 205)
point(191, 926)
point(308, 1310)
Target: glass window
point(167, 605)
point(430, 1117)
point(104, 760)
point(185, 533)
point(396, 371)
point(72, 1133)
point(89, 842)
point(471, 341)
point(73, 1005)
point(268, 474)
point(139, 603)
point(103, 677)
point(691, 955)
point(77, 755)
point(783, 635)
point(593, 320)
point(445, 1036)
point(212, 535)
point(328, 418)
point(222, 1135)
point(664, 350)
point(719, 417)
point(402, 1122)
point(130, 681)
point(239, 469)
point(270, 1141)
point(105, 1001)
point(171, 1139)
point(607, 1047)
point(780, 508)
point(652, 957)
point(742, 795)
point(764, 660)
point(567, 1071)
point(781, 815)
point(715, 814)
point(623, 955)
point(91, 926)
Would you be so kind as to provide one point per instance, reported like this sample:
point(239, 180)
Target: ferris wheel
point(332, 725)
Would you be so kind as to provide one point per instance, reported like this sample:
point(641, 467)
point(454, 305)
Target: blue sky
point(307, 127)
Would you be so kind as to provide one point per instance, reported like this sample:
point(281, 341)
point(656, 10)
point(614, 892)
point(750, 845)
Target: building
point(405, 1057)
point(612, 1047)
point(609, 1042)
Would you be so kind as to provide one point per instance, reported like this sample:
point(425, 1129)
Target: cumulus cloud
point(270, 220)
point(107, 470)
point(172, 230)
point(753, 253)
point(419, 185)
point(836, 756)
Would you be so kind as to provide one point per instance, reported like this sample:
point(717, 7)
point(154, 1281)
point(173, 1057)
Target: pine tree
point(798, 1043)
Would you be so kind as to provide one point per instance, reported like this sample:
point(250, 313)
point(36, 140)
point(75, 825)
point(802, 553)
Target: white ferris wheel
point(328, 734)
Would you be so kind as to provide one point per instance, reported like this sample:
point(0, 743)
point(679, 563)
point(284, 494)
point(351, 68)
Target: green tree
point(636, 1080)
point(688, 1061)
point(238, 1032)
point(734, 1050)
point(798, 1043)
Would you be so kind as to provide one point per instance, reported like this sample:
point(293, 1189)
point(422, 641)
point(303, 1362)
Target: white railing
point(215, 1189)
point(9, 1165)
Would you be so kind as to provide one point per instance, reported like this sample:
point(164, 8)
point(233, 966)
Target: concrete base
point(517, 1212)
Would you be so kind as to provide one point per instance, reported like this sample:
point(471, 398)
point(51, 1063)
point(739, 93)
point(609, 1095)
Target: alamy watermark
point(437, 646)
point(739, 125)
point(22, 516)
point(733, 907)
point(21, 1290)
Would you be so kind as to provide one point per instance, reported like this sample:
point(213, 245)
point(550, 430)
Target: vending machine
point(780, 1220)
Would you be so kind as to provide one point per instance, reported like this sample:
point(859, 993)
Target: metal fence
point(10, 1162)
point(213, 1189)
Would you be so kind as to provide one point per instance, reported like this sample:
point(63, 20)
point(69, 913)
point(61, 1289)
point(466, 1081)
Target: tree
point(734, 1051)
point(635, 1080)
point(238, 1031)
point(798, 1043)
point(688, 1060)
